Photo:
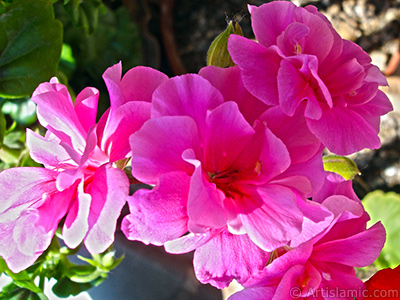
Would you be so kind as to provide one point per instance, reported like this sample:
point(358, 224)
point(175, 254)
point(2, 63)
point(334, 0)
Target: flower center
point(230, 181)
point(225, 181)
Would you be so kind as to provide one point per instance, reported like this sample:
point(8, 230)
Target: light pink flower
point(80, 180)
point(299, 62)
point(223, 176)
point(323, 267)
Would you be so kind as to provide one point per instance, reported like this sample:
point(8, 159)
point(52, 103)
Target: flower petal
point(302, 145)
point(187, 95)
point(359, 250)
point(289, 287)
point(257, 293)
point(115, 136)
point(138, 84)
point(56, 113)
point(351, 69)
point(227, 134)
point(283, 259)
point(229, 82)
point(26, 223)
point(352, 131)
point(158, 146)
point(259, 67)
point(86, 107)
point(76, 224)
point(159, 215)
point(316, 219)
point(190, 241)
point(334, 184)
point(47, 150)
point(205, 203)
point(342, 278)
point(386, 280)
point(269, 21)
point(271, 217)
point(21, 188)
point(110, 189)
point(298, 81)
point(227, 257)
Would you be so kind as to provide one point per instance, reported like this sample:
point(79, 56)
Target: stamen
point(258, 167)
point(297, 49)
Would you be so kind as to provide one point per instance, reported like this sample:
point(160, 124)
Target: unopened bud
point(218, 54)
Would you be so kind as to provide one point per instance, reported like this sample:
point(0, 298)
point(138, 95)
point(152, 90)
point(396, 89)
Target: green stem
point(42, 282)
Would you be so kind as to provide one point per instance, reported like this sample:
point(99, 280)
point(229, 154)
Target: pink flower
point(323, 267)
point(300, 63)
point(334, 184)
point(223, 176)
point(81, 180)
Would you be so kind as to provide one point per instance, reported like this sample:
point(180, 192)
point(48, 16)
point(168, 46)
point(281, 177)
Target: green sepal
point(218, 54)
point(341, 165)
point(84, 273)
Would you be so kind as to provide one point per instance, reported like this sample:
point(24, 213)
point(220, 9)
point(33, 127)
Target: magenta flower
point(223, 176)
point(300, 63)
point(322, 268)
point(334, 184)
point(81, 180)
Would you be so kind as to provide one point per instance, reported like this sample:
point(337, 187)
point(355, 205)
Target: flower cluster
point(234, 155)
point(82, 180)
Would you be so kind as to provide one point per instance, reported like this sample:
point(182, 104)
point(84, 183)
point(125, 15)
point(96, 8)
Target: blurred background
point(173, 36)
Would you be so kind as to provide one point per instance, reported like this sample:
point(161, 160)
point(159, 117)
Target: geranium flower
point(323, 267)
point(82, 180)
point(299, 62)
point(221, 175)
point(385, 284)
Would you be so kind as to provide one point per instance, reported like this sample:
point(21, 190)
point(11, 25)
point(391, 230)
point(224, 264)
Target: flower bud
point(218, 54)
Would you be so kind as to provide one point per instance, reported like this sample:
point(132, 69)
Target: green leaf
point(84, 14)
point(2, 128)
point(10, 156)
point(386, 208)
point(22, 279)
point(26, 161)
point(65, 287)
point(31, 41)
point(24, 112)
point(67, 64)
point(3, 265)
point(14, 292)
point(15, 139)
point(13, 147)
point(341, 165)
